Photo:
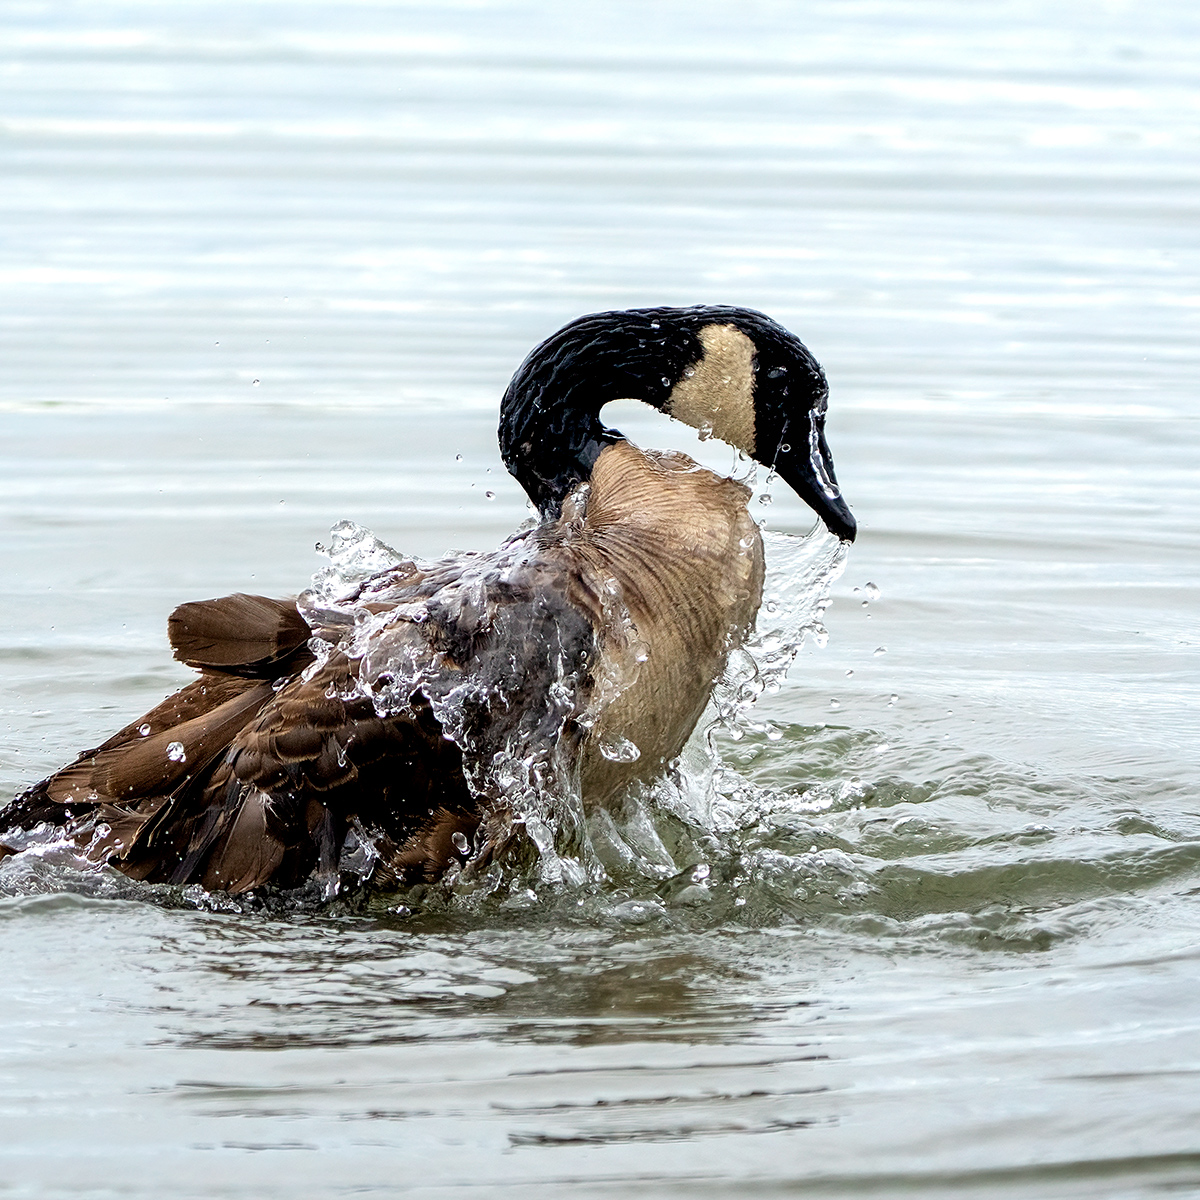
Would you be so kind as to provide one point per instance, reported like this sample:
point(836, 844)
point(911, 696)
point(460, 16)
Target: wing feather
point(314, 762)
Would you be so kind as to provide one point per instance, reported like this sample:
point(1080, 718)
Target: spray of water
point(519, 735)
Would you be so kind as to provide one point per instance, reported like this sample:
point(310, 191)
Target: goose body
point(385, 732)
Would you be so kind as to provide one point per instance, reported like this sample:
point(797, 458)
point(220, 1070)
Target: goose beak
point(810, 475)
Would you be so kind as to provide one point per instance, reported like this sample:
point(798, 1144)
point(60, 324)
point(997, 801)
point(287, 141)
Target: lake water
point(267, 266)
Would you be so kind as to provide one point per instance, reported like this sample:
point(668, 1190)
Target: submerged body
point(386, 733)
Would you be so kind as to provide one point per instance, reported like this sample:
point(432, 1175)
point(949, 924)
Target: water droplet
point(871, 591)
point(540, 833)
point(776, 372)
point(701, 872)
point(175, 752)
point(460, 841)
point(144, 730)
point(620, 749)
point(666, 382)
point(785, 448)
point(893, 700)
point(850, 672)
point(878, 651)
point(688, 372)
point(490, 495)
point(765, 498)
point(458, 458)
point(773, 733)
point(772, 606)
point(256, 383)
point(654, 325)
point(865, 604)
point(835, 704)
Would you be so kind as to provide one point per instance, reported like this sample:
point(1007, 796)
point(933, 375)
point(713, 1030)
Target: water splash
point(756, 824)
point(525, 765)
point(355, 555)
point(517, 714)
point(796, 594)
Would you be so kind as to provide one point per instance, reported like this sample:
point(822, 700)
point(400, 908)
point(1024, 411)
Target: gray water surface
point(267, 266)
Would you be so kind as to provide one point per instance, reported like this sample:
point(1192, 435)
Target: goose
point(378, 734)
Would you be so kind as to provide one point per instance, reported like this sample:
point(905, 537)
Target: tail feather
point(238, 634)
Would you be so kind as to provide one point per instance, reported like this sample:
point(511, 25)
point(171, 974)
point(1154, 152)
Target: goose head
point(732, 373)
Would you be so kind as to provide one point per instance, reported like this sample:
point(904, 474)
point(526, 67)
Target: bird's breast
point(669, 564)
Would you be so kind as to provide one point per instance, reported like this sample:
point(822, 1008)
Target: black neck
point(550, 428)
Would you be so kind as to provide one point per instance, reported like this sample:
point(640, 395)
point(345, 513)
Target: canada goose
point(368, 731)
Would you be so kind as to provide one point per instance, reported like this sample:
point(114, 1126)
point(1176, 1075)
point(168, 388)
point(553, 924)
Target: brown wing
point(115, 798)
point(317, 762)
point(234, 641)
point(134, 766)
point(244, 777)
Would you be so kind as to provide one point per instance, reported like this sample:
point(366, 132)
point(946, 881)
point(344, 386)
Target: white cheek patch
point(717, 397)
